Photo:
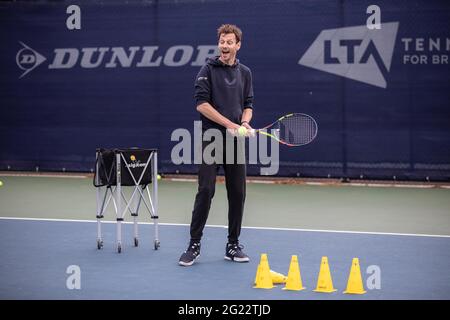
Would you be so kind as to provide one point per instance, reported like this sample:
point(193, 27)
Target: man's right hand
point(232, 128)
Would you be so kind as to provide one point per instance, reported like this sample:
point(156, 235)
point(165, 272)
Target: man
point(224, 97)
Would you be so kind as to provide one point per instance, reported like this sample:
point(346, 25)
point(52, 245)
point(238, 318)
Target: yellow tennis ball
point(1, 183)
point(159, 177)
point(242, 131)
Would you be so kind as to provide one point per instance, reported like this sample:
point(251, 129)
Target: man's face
point(228, 47)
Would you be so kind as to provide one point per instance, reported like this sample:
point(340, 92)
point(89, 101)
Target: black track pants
point(235, 175)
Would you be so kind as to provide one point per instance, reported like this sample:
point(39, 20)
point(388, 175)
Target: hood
point(217, 63)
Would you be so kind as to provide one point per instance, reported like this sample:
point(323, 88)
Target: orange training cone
point(324, 282)
point(355, 283)
point(263, 278)
point(294, 280)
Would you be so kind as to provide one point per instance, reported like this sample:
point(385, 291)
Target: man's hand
point(250, 130)
point(232, 128)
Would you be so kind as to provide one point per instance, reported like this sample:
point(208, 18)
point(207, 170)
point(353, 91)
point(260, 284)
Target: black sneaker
point(190, 255)
point(234, 252)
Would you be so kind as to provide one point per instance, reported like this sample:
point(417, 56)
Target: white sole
point(187, 264)
point(237, 259)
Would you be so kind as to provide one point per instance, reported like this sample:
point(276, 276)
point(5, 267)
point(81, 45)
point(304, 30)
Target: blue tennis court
point(36, 255)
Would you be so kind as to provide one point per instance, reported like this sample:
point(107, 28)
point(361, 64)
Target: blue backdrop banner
point(381, 97)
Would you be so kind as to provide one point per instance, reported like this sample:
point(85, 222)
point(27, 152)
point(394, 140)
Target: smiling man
point(224, 99)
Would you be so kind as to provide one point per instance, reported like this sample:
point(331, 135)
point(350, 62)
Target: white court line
point(249, 180)
point(258, 228)
point(384, 185)
point(355, 232)
point(261, 181)
point(38, 175)
point(182, 179)
point(352, 184)
point(420, 186)
point(315, 183)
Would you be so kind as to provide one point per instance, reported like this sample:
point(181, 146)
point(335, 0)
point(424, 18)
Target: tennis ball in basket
point(242, 131)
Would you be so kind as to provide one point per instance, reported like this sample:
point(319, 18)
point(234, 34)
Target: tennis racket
point(295, 129)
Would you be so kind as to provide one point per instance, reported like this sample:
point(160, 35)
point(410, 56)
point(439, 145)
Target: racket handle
point(250, 133)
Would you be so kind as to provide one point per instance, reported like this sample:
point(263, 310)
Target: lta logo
point(357, 53)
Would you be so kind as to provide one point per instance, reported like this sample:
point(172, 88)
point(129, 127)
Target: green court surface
point(341, 207)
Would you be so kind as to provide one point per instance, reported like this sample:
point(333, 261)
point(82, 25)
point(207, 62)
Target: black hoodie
point(227, 88)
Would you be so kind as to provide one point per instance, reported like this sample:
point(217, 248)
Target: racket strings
point(297, 129)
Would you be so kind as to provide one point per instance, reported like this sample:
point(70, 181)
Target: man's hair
point(230, 28)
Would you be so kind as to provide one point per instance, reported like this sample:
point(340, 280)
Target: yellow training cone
point(324, 282)
point(294, 279)
point(263, 278)
point(355, 284)
point(257, 273)
point(277, 277)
